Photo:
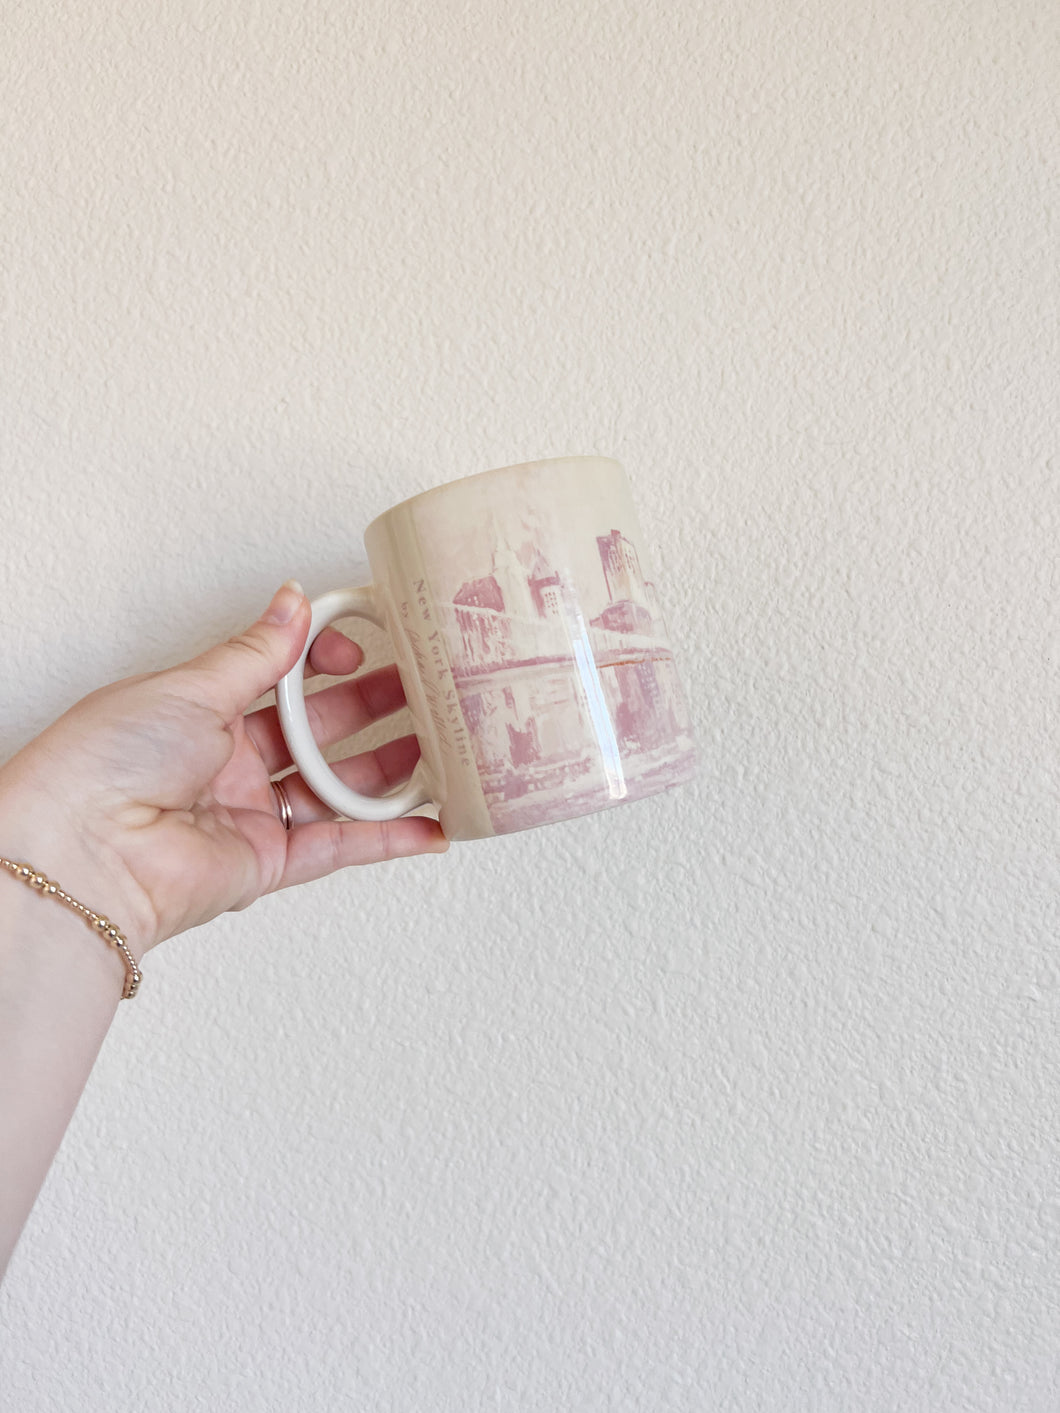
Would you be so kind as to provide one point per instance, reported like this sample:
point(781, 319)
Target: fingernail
point(285, 603)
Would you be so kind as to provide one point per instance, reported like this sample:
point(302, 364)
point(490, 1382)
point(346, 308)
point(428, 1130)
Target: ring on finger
point(283, 804)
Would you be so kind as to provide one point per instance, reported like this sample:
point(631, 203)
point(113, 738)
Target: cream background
point(746, 1097)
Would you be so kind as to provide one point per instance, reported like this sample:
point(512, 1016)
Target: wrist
point(43, 832)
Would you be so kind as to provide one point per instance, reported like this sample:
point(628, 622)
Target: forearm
point(59, 988)
point(150, 803)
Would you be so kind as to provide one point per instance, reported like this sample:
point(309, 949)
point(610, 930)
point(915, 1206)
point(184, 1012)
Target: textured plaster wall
point(746, 1097)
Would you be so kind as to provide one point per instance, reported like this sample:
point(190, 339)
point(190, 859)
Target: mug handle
point(290, 702)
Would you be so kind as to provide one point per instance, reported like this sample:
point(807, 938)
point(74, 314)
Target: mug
point(530, 644)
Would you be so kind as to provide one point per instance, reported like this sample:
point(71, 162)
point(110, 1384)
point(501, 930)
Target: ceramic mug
point(528, 637)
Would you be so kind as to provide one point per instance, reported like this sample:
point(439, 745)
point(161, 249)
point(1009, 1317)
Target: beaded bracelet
point(96, 921)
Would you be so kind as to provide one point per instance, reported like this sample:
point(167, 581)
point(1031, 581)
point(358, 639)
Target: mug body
point(531, 646)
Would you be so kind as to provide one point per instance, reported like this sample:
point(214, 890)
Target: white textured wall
point(746, 1097)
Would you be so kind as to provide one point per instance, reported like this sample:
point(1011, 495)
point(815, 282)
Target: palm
point(177, 781)
point(223, 844)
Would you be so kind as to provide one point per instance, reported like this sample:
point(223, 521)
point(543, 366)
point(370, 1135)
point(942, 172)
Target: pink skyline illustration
point(565, 676)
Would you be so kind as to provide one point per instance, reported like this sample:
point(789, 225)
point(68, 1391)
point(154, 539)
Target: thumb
point(233, 674)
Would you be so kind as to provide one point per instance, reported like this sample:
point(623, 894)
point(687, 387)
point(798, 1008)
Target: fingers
point(334, 713)
point(228, 677)
point(333, 655)
point(318, 844)
point(315, 850)
point(372, 773)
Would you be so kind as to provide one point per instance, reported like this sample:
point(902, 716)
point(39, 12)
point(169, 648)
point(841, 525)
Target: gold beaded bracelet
point(96, 921)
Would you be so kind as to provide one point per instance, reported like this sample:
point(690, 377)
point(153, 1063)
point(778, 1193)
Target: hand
point(150, 799)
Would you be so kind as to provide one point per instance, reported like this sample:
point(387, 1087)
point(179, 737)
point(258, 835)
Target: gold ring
point(286, 813)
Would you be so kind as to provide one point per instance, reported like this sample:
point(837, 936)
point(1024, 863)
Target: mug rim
point(549, 462)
